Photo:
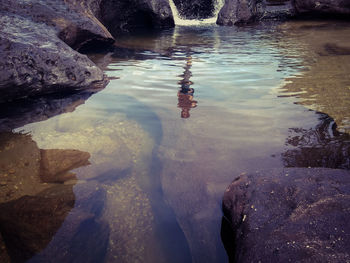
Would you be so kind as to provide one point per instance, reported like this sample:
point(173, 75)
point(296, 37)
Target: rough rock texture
point(289, 215)
point(73, 21)
point(247, 11)
point(36, 55)
point(323, 6)
point(196, 9)
point(128, 15)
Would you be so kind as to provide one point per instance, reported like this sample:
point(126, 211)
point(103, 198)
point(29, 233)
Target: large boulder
point(341, 7)
point(288, 215)
point(246, 11)
point(129, 15)
point(36, 55)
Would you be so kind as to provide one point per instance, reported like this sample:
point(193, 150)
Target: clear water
point(186, 111)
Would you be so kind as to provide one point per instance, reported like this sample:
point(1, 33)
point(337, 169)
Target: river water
point(186, 111)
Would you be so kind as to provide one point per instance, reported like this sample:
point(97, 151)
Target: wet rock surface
point(237, 12)
point(288, 215)
point(36, 44)
point(130, 15)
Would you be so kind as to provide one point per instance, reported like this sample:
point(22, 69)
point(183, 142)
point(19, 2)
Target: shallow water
point(186, 111)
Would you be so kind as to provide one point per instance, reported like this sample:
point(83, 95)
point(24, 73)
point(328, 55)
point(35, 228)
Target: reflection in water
point(153, 190)
point(321, 146)
point(19, 113)
point(325, 86)
point(185, 94)
point(36, 194)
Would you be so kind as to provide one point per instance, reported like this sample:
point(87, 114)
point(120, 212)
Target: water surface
point(186, 111)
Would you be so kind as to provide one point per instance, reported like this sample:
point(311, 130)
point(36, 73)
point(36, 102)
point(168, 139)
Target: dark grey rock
point(246, 11)
point(288, 215)
point(323, 6)
point(130, 15)
point(236, 12)
point(35, 61)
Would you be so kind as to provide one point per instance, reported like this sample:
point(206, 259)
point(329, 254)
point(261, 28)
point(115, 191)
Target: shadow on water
point(321, 146)
point(22, 112)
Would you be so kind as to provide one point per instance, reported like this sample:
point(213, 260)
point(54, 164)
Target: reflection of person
point(185, 94)
point(186, 102)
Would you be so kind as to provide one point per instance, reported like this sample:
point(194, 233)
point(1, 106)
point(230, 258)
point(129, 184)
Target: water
point(186, 111)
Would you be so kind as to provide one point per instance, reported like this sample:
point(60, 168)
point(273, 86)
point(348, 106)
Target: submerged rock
point(32, 207)
point(288, 215)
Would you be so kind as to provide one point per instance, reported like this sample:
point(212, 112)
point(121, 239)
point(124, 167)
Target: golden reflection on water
point(325, 86)
point(36, 194)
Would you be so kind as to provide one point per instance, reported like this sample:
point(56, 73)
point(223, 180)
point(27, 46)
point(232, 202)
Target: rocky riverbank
point(41, 42)
point(288, 215)
point(236, 12)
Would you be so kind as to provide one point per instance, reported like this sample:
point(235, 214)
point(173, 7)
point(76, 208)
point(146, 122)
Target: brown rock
point(55, 164)
point(28, 223)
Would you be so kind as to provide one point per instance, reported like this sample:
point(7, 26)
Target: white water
point(194, 22)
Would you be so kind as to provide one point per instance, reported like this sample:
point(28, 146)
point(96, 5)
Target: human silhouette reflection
point(185, 94)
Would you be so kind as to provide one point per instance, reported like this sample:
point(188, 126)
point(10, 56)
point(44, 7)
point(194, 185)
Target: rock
point(339, 7)
point(196, 9)
point(73, 21)
point(34, 61)
point(236, 12)
point(83, 236)
point(55, 164)
point(28, 224)
point(129, 15)
point(35, 203)
point(36, 55)
point(288, 215)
